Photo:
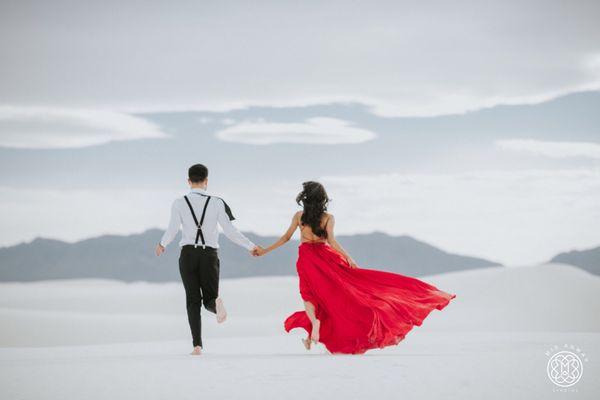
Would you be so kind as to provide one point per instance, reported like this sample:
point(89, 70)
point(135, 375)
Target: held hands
point(258, 251)
point(159, 250)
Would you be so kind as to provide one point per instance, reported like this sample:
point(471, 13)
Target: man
point(198, 214)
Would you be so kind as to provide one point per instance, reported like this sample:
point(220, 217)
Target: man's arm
point(225, 217)
point(172, 229)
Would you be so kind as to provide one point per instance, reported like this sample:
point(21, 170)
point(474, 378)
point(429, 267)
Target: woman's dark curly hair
point(313, 198)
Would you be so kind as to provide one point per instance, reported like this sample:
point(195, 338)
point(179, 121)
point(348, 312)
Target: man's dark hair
point(197, 173)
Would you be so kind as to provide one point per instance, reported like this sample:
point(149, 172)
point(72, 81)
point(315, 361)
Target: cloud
point(402, 58)
point(115, 211)
point(318, 130)
point(54, 128)
point(228, 121)
point(515, 217)
point(552, 149)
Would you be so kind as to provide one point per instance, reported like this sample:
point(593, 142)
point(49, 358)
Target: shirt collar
point(198, 190)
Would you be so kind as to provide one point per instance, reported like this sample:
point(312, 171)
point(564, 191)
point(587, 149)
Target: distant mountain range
point(588, 260)
point(131, 258)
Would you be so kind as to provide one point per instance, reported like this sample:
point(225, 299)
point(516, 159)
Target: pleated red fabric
point(359, 309)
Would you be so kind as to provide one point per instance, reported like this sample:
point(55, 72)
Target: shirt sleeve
point(225, 217)
point(173, 228)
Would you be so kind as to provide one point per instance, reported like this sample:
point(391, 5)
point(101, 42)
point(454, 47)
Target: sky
point(470, 125)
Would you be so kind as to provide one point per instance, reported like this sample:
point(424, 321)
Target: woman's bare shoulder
point(326, 218)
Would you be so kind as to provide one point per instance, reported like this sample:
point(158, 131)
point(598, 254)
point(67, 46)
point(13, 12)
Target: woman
point(349, 309)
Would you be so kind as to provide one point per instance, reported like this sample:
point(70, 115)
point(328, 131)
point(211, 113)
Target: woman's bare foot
point(221, 312)
point(316, 326)
point(197, 351)
point(306, 342)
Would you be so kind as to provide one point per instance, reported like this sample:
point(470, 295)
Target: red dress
point(359, 309)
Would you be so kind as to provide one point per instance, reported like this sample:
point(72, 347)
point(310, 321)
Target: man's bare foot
point(197, 351)
point(316, 326)
point(221, 312)
point(307, 343)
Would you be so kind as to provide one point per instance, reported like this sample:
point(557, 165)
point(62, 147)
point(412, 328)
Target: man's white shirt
point(217, 214)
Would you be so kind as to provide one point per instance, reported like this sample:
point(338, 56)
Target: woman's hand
point(351, 263)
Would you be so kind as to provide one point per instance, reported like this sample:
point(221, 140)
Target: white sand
point(103, 339)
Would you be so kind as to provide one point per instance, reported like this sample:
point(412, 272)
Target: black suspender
point(198, 224)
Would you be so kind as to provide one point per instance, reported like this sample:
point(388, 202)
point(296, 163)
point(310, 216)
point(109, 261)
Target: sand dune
point(99, 339)
point(547, 297)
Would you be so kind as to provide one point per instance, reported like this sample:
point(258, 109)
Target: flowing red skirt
point(359, 309)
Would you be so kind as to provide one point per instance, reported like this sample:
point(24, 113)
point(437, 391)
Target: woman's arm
point(286, 236)
point(334, 243)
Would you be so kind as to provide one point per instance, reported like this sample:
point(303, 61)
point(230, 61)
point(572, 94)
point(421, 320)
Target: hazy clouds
point(552, 149)
point(401, 58)
point(479, 212)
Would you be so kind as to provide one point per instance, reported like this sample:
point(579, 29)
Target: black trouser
point(199, 269)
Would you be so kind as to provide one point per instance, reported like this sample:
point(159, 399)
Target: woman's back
point(306, 233)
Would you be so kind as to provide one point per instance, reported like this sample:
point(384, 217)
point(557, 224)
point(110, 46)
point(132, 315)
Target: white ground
point(96, 339)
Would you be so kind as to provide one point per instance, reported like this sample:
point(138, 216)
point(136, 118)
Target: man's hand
point(159, 249)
